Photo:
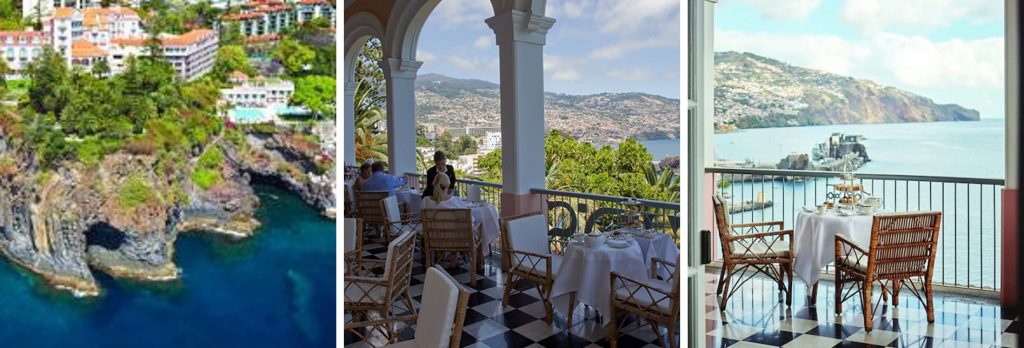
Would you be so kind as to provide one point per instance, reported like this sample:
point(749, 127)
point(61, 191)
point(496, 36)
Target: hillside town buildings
point(265, 18)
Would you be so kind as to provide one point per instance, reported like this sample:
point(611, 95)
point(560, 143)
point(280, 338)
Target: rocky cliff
point(122, 215)
point(752, 91)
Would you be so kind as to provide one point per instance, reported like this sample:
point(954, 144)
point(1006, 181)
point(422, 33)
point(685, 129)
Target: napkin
point(473, 193)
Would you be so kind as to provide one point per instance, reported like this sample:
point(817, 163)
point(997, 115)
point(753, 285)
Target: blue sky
point(947, 50)
point(594, 47)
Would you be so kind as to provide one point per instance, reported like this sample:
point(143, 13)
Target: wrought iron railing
point(574, 212)
point(490, 192)
point(969, 243)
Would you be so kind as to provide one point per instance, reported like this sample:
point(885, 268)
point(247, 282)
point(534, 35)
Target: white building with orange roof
point(85, 54)
point(19, 48)
point(192, 54)
point(307, 10)
point(97, 26)
point(260, 18)
point(44, 8)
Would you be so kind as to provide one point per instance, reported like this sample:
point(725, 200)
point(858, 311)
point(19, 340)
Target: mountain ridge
point(753, 91)
point(450, 102)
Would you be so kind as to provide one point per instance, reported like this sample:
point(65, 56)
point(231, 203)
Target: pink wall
point(1011, 274)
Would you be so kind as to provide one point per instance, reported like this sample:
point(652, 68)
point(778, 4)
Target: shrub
point(205, 178)
point(134, 192)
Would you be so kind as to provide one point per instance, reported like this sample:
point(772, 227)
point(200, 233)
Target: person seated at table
point(380, 181)
point(440, 166)
point(442, 198)
point(364, 174)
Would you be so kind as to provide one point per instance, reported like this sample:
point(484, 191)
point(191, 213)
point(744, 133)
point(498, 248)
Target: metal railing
point(574, 212)
point(490, 192)
point(969, 243)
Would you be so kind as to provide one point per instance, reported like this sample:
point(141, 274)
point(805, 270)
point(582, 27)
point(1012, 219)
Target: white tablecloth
point(412, 199)
point(814, 240)
point(588, 272)
point(661, 246)
point(485, 216)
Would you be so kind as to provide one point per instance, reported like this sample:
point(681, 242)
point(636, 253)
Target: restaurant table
point(660, 245)
point(412, 198)
point(485, 217)
point(814, 240)
point(587, 271)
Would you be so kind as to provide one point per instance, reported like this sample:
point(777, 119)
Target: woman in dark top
point(440, 165)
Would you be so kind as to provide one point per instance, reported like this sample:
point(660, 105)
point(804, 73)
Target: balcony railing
point(969, 243)
point(574, 212)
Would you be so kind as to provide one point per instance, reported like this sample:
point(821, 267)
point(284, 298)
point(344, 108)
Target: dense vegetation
point(571, 165)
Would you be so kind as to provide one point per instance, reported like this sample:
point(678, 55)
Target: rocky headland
point(122, 215)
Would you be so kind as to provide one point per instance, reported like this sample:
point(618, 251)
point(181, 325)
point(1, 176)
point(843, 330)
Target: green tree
point(231, 58)
point(51, 89)
point(294, 56)
point(316, 93)
point(231, 34)
point(101, 69)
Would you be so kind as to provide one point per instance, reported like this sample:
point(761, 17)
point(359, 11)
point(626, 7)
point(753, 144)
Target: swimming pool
point(247, 115)
point(283, 109)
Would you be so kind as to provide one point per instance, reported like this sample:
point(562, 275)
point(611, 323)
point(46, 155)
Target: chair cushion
point(556, 261)
point(350, 234)
point(436, 318)
point(644, 297)
point(373, 294)
point(407, 344)
point(759, 249)
point(529, 234)
point(852, 262)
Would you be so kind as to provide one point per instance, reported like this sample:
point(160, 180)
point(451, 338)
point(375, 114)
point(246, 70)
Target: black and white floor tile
point(521, 323)
point(755, 317)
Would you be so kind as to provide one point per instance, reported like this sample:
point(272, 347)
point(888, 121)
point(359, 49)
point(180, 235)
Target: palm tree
point(666, 184)
point(370, 143)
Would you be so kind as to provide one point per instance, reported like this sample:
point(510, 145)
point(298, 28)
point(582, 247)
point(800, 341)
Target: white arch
point(358, 29)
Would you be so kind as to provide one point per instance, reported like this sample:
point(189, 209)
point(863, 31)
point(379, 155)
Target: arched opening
point(104, 235)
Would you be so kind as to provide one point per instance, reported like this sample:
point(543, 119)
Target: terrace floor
point(521, 324)
point(755, 318)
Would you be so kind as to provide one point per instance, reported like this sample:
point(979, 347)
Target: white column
point(521, 37)
point(350, 124)
point(401, 85)
point(1012, 93)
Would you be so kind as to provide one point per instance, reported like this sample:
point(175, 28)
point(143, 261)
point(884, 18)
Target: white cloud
point(453, 13)
point(465, 64)
point(484, 42)
point(494, 64)
point(425, 57)
point(566, 8)
point(920, 16)
point(620, 49)
point(784, 10)
point(890, 59)
point(625, 17)
point(631, 74)
point(562, 69)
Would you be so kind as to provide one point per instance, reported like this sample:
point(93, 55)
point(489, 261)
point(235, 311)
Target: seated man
point(380, 181)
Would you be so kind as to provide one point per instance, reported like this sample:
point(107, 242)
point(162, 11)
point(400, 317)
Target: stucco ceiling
point(379, 8)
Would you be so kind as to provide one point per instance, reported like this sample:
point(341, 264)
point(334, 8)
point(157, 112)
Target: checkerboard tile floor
point(520, 324)
point(755, 317)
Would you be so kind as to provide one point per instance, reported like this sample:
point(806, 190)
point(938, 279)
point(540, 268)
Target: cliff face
point(123, 215)
point(753, 92)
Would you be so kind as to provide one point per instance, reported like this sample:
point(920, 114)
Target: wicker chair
point(528, 250)
point(753, 246)
point(368, 209)
point(451, 230)
point(655, 301)
point(353, 244)
point(396, 222)
point(442, 313)
point(364, 294)
point(902, 247)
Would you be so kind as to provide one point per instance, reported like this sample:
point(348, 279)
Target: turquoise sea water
point(972, 213)
point(276, 289)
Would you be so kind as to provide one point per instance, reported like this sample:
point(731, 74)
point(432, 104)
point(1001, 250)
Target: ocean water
point(662, 148)
point(972, 214)
point(276, 289)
